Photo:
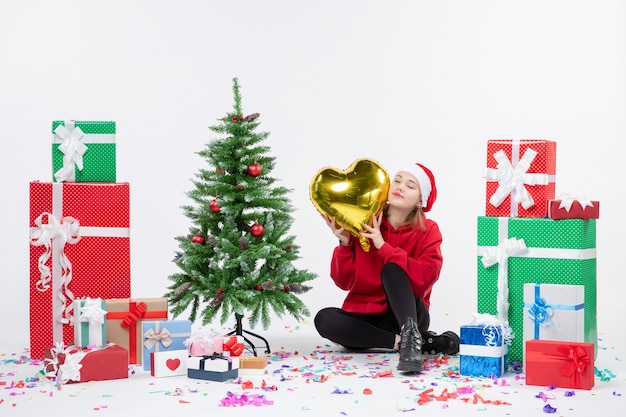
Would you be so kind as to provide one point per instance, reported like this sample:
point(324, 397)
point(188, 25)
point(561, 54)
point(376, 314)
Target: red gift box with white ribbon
point(573, 207)
point(520, 177)
point(79, 247)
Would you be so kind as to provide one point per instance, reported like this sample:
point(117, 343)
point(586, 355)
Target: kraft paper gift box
point(554, 312)
point(556, 252)
point(83, 151)
point(252, 365)
point(168, 363)
point(90, 322)
point(573, 208)
point(79, 247)
point(215, 367)
point(520, 177)
point(163, 336)
point(482, 351)
point(124, 322)
point(71, 364)
point(560, 364)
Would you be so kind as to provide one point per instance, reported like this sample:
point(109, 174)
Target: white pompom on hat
point(426, 181)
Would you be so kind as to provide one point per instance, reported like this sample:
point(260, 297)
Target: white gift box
point(554, 312)
point(90, 322)
point(168, 363)
point(213, 368)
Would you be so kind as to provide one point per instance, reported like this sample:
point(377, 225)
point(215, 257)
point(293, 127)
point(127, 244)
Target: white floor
point(309, 376)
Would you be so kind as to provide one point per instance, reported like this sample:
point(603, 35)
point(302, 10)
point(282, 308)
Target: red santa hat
point(426, 181)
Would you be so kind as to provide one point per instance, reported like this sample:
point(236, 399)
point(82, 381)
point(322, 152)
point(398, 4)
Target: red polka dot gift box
point(83, 151)
point(520, 177)
point(79, 248)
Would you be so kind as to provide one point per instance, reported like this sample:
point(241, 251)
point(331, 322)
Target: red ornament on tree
point(214, 206)
point(198, 239)
point(257, 230)
point(254, 170)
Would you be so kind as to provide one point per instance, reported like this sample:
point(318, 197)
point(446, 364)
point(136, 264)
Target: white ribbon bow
point(500, 254)
point(73, 150)
point(493, 329)
point(513, 179)
point(568, 199)
point(93, 313)
point(69, 370)
point(61, 232)
point(152, 338)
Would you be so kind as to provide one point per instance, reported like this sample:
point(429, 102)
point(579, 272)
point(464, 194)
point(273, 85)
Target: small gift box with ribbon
point(90, 322)
point(168, 363)
point(71, 364)
point(557, 252)
point(214, 367)
point(483, 349)
point(163, 336)
point(573, 207)
point(233, 345)
point(554, 312)
point(83, 151)
point(560, 364)
point(124, 322)
point(252, 365)
point(204, 342)
point(79, 247)
point(520, 177)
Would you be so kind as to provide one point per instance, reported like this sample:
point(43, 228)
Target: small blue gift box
point(161, 336)
point(482, 351)
point(214, 367)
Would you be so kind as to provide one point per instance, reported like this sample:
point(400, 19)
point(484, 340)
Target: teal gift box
point(90, 322)
point(482, 351)
point(83, 151)
point(160, 336)
point(557, 252)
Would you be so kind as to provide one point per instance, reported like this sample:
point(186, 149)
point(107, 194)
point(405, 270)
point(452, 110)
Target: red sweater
point(358, 272)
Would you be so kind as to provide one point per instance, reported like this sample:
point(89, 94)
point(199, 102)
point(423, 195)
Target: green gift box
point(83, 151)
point(556, 252)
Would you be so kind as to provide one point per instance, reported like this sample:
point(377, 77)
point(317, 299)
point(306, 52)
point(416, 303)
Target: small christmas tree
point(238, 256)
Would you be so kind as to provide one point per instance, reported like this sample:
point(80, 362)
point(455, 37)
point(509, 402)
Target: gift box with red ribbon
point(520, 177)
point(573, 208)
point(124, 322)
point(79, 247)
point(560, 364)
point(71, 364)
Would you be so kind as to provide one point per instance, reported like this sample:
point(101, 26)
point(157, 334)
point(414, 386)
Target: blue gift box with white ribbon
point(554, 312)
point(482, 351)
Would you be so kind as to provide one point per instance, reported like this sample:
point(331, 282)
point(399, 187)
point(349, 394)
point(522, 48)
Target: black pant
point(363, 331)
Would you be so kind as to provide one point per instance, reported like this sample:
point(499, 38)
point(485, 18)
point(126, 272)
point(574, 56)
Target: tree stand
point(239, 331)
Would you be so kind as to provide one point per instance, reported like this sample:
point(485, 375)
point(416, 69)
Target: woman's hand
point(373, 232)
point(340, 232)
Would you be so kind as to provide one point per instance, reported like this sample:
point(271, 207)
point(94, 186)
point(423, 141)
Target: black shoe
point(410, 348)
point(446, 343)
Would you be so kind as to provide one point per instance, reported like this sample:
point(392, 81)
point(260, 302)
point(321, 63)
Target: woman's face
point(404, 191)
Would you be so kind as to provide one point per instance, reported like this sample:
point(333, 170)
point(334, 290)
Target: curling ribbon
point(69, 370)
point(500, 254)
point(512, 177)
point(57, 233)
point(73, 150)
point(568, 199)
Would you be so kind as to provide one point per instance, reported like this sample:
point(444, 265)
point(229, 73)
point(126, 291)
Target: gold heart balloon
point(351, 196)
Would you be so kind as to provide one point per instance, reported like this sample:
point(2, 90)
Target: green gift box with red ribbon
point(83, 151)
point(79, 248)
point(125, 318)
point(517, 251)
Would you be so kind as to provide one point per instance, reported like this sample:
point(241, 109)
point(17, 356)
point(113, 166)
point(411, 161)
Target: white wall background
point(397, 81)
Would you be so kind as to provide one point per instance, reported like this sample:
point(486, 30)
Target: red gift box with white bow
point(567, 207)
point(72, 364)
point(520, 177)
point(560, 364)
